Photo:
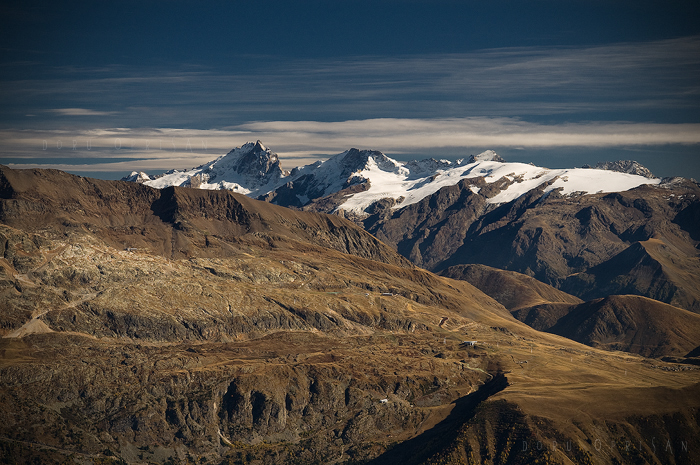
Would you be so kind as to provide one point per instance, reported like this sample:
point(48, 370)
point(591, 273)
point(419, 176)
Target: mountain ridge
point(331, 185)
point(131, 215)
point(623, 166)
point(439, 213)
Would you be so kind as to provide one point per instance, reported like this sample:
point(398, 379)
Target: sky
point(104, 88)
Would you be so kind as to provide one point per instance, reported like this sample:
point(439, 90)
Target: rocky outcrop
point(267, 400)
point(137, 176)
point(488, 155)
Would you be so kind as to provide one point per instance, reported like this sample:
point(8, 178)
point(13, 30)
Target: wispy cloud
point(650, 81)
point(300, 142)
point(79, 112)
point(632, 95)
point(396, 135)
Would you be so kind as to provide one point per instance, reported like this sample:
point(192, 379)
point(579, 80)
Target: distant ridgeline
point(362, 181)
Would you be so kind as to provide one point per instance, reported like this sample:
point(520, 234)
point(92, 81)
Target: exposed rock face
point(250, 169)
point(256, 161)
point(431, 230)
point(488, 155)
point(137, 176)
point(254, 164)
point(428, 166)
point(157, 403)
point(323, 187)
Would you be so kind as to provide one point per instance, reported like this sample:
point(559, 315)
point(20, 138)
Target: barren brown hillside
point(182, 326)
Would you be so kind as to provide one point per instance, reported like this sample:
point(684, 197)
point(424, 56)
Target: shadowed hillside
point(512, 290)
point(628, 323)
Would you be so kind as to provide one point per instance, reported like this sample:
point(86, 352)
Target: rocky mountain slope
point(618, 322)
point(594, 232)
point(172, 222)
point(251, 169)
point(194, 326)
point(642, 241)
point(624, 166)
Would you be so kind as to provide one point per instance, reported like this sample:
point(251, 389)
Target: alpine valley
point(356, 310)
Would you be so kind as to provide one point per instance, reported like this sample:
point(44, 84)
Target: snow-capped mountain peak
point(251, 169)
point(355, 180)
point(137, 176)
point(356, 161)
point(251, 160)
point(488, 155)
point(624, 166)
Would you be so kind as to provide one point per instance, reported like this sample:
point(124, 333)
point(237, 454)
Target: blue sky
point(101, 89)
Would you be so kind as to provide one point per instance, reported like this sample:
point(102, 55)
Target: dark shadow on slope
point(422, 447)
point(633, 271)
point(165, 206)
point(689, 220)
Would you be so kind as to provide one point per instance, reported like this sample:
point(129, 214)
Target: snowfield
point(527, 177)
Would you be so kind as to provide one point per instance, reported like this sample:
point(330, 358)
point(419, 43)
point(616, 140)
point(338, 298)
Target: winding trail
point(37, 326)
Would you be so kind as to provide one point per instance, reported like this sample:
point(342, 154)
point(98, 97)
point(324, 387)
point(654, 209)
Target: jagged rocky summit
point(488, 155)
point(250, 169)
point(623, 166)
point(137, 176)
point(361, 182)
